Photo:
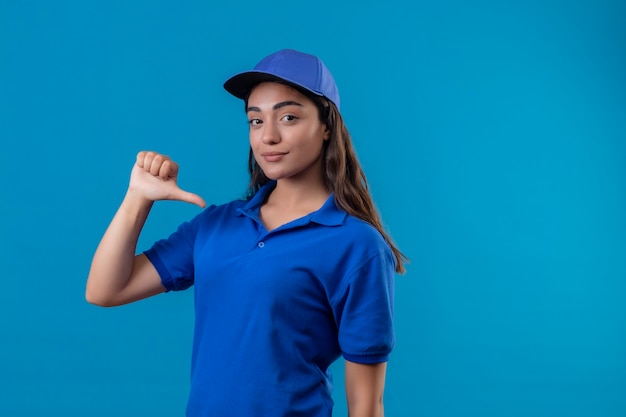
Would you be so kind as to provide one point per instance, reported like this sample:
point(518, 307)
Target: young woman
point(286, 281)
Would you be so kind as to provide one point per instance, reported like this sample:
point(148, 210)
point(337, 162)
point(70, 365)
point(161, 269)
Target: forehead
point(273, 92)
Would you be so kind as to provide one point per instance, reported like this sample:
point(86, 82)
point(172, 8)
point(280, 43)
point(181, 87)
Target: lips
point(273, 156)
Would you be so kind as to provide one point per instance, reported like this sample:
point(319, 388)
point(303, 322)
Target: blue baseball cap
point(288, 66)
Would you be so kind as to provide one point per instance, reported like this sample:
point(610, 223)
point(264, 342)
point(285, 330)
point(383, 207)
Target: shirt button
point(261, 244)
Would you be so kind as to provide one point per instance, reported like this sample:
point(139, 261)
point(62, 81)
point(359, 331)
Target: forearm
point(113, 261)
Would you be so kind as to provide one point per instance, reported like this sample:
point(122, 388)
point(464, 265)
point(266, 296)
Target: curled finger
point(148, 160)
point(141, 157)
point(169, 169)
point(157, 163)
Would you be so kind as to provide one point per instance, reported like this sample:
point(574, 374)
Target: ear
point(326, 133)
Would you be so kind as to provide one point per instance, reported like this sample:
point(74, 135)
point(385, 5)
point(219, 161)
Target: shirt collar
point(328, 215)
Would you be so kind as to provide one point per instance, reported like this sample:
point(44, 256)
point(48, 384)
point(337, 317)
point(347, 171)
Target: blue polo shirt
point(275, 309)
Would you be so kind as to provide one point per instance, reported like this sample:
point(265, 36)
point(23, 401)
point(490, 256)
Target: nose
point(270, 134)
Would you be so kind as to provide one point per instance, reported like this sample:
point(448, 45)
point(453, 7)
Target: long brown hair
point(343, 174)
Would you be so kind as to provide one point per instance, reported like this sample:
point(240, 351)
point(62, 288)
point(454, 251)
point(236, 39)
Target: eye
point(289, 118)
point(254, 122)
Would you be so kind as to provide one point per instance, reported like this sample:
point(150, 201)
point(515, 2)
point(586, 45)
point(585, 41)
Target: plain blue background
point(493, 135)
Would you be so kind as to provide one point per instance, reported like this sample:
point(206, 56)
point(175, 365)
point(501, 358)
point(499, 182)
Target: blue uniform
point(275, 309)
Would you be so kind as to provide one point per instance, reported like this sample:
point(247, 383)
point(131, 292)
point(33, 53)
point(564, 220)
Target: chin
point(272, 176)
point(275, 174)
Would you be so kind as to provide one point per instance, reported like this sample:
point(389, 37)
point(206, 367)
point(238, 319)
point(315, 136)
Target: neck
point(299, 195)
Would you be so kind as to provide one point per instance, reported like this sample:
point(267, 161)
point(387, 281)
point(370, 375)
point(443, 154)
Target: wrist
point(136, 205)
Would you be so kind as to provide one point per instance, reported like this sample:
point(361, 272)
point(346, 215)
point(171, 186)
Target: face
point(286, 135)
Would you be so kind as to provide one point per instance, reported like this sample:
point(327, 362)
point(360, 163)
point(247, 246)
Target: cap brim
point(241, 84)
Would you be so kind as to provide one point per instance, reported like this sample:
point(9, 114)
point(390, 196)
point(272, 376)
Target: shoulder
point(231, 208)
point(354, 244)
point(362, 234)
point(362, 228)
point(210, 216)
point(346, 229)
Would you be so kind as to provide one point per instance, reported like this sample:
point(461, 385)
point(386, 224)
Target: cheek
point(318, 139)
point(253, 137)
point(312, 137)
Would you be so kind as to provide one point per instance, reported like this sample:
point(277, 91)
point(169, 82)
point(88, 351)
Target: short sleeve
point(364, 311)
point(173, 257)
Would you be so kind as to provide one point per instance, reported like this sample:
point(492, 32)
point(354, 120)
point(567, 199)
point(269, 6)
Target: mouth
point(273, 156)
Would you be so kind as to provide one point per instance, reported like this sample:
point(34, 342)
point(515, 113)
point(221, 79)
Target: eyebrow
point(276, 106)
